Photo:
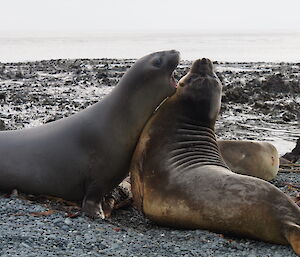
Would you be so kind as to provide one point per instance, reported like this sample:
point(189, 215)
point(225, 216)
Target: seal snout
point(173, 61)
point(203, 67)
point(174, 58)
point(173, 51)
point(205, 61)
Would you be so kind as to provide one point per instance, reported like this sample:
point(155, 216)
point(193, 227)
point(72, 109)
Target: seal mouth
point(173, 81)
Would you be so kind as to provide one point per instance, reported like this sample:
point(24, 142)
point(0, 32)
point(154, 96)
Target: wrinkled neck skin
point(194, 141)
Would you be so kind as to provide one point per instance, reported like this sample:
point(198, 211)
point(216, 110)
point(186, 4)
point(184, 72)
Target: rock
point(68, 221)
point(294, 155)
point(101, 75)
point(2, 125)
point(2, 96)
point(288, 117)
point(283, 161)
point(25, 245)
point(53, 118)
point(275, 84)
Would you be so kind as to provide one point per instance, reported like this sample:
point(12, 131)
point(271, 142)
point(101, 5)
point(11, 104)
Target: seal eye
point(157, 62)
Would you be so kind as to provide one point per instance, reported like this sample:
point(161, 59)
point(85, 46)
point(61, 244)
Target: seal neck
point(128, 107)
point(195, 146)
point(138, 103)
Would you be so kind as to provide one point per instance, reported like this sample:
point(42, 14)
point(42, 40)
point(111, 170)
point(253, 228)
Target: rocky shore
point(261, 101)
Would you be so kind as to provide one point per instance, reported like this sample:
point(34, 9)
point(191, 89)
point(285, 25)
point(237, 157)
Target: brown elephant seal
point(179, 178)
point(252, 158)
point(86, 155)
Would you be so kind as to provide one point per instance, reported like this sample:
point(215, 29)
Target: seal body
point(179, 178)
point(87, 154)
point(252, 158)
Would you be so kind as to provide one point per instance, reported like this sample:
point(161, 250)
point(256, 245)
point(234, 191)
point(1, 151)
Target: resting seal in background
point(87, 154)
point(252, 158)
point(179, 178)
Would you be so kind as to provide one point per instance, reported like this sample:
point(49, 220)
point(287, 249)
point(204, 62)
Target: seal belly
point(217, 200)
point(38, 166)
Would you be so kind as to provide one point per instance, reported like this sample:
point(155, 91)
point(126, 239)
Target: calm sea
point(284, 47)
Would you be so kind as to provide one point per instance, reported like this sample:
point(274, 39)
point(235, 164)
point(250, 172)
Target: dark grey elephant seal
point(179, 178)
point(87, 154)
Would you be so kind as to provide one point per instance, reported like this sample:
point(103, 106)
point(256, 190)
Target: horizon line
point(145, 31)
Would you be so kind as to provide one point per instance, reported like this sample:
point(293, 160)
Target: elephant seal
point(86, 155)
point(252, 158)
point(179, 178)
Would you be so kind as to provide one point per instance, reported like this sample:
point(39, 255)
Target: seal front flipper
point(292, 235)
point(92, 202)
point(119, 197)
point(93, 209)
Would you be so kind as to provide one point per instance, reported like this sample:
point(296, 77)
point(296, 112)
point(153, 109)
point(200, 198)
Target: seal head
point(200, 91)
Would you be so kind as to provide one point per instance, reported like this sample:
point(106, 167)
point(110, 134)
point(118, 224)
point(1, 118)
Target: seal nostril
point(175, 52)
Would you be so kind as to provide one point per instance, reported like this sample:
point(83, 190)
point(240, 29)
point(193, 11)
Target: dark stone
point(294, 155)
point(276, 84)
point(287, 116)
point(2, 125)
point(101, 75)
point(296, 150)
point(19, 75)
point(2, 96)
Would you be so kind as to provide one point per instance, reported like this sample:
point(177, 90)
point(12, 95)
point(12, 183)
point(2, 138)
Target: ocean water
point(255, 47)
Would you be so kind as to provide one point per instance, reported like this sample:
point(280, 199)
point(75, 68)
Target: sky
point(55, 16)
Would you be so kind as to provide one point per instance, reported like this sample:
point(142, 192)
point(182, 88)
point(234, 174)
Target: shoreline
point(259, 94)
point(185, 61)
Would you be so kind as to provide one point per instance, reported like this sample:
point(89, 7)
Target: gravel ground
point(38, 92)
point(126, 233)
